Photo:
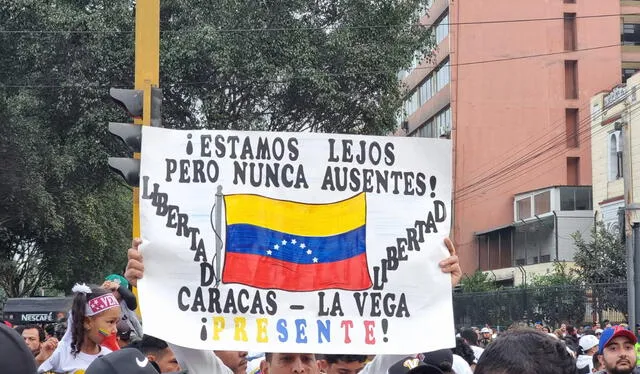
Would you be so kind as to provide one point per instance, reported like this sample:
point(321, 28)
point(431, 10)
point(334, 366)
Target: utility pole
point(633, 266)
point(147, 74)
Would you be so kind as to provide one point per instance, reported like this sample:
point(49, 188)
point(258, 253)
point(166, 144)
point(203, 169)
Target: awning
point(22, 311)
point(494, 229)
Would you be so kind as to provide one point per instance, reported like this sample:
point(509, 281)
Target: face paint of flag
point(295, 246)
point(104, 332)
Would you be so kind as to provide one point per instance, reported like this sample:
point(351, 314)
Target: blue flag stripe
point(250, 239)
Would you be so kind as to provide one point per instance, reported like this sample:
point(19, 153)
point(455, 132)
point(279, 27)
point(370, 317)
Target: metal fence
point(577, 305)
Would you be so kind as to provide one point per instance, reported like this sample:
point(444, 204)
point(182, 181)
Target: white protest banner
point(295, 242)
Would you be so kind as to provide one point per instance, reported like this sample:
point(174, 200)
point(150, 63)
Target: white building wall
point(606, 189)
point(569, 223)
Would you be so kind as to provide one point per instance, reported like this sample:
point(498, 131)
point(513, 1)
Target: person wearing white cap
point(598, 333)
point(485, 336)
point(589, 347)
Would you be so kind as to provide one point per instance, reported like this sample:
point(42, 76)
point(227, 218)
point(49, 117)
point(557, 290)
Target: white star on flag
point(315, 259)
point(293, 241)
point(309, 251)
point(284, 242)
point(276, 247)
point(269, 252)
point(303, 246)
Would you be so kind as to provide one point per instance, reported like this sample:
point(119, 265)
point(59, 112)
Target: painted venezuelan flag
point(295, 246)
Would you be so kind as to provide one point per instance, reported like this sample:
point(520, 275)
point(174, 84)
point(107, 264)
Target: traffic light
point(133, 102)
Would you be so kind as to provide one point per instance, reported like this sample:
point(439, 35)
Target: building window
point(571, 122)
point(627, 73)
point(523, 208)
point(542, 203)
point(443, 122)
point(533, 204)
point(545, 258)
point(569, 1)
point(570, 32)
point(575, 198)
point(571, 79)
point(630, 34)
point(442, 75)
point(431, 85)
point(615, 156)
point(411, 105)
point(573, 171)
point(437, 126)
point(442, 28)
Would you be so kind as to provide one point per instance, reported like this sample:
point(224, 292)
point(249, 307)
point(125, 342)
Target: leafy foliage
point(602, 260)
point(558, 297)
point(290, 65)
point(477, 282)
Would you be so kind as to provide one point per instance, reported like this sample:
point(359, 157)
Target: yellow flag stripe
point(297, 218)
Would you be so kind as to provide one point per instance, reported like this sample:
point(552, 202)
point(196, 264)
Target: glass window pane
point(442, 29)
point(542, 202)
point(523, 208)
point(567, 198)
point(583, 199)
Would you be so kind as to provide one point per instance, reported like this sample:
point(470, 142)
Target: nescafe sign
point(37, 317)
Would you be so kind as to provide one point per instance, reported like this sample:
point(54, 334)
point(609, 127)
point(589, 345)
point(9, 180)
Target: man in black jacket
point(571, 340)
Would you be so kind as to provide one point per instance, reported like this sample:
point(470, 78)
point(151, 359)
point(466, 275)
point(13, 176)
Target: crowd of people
point(102, 335)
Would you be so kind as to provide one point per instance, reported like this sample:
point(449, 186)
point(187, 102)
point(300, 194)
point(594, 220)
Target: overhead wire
point(552, 135)
point(515, 152)
point(319, 73)
point(89, 86)
point(511, 160)
point(516, 173)
point(317, 28)
point(518, 169)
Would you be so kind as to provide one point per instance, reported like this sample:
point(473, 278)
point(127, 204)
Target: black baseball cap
point(124, 361)
point(412, 365)
point(15, 356)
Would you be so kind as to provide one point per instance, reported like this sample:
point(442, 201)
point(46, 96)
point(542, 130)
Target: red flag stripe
point(266, 272)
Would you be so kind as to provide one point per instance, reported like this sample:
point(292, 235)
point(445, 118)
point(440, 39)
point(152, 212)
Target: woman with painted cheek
point(93, 317)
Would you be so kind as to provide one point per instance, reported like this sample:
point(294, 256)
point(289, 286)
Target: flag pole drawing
point(295, 246)
point(218, 230)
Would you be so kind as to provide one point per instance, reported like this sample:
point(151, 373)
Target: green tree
point(477, 282)
point(558, 296)
point(289, 65)
point(603, 265)
point(63, 217)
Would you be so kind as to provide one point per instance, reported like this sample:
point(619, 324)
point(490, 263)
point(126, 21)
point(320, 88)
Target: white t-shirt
point(62, 361)
point(460, 366)
point(477, 352)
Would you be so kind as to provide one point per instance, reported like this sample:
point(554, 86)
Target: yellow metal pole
point(147, 75)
